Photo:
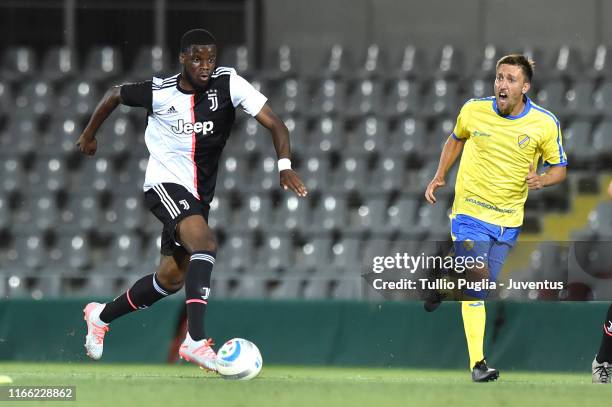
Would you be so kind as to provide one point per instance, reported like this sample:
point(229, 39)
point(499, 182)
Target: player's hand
point(431, 188)
point(87, 144)
point(290, 180)
point(534, 181)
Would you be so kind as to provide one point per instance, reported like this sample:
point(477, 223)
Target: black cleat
point(432, 301)
point(482, 373)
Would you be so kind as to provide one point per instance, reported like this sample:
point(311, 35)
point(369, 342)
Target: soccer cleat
point(199, 352)
point(601, 372)
point(94, 341)
point(482, 373)
point(433, 299)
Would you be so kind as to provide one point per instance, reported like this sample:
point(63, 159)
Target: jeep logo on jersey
point(190, 128)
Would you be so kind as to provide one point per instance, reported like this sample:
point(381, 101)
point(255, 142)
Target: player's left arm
point(555, 161)
point(289, 179)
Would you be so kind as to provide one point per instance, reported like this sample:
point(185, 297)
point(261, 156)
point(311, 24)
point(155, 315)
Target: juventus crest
point(212, 97)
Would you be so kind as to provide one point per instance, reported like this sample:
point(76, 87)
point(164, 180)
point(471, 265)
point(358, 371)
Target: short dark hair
point(525, 63)
point(197, 36)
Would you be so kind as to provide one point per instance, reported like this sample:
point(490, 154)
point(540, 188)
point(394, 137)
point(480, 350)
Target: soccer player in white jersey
point(190, 116)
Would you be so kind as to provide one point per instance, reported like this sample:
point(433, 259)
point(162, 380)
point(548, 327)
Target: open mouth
point(503, 96)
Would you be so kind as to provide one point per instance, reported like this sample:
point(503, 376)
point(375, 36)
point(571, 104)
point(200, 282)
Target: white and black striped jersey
point(186, 131)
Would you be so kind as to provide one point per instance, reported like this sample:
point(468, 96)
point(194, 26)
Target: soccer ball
point(239, 359)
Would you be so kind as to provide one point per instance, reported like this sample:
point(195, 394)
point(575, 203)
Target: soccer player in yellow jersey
point(500, 140)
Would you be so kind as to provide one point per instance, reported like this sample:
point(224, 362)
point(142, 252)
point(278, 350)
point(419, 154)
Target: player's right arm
point(452, 149)
point(132, 94)
point(87, 141)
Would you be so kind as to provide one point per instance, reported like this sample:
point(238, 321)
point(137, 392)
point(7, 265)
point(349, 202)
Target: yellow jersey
point(496, 156)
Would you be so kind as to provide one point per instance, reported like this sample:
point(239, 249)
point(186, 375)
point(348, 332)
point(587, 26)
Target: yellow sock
point(474, 320)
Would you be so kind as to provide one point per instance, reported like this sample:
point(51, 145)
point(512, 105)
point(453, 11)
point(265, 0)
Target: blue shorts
point(473, 237)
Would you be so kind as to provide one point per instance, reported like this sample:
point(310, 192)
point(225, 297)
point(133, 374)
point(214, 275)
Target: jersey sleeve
point(139, 94)
point(552, 147)
point(244, 94)
point(460, 131)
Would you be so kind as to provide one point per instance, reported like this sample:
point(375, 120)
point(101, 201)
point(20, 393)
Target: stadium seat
point(567, 63)
point(232, 173)
point(78, 97)
point(370, 216)
point(579, 99)
point(327, 136)
point(18, 63)
point(602, 142)
point(347, 254)
point(438, 136)
point(252, 138)
point(72, 252)
point(315, 172)
point(237, 253)
point(372, 63)
point(388, 175)
point(256, 213)
point(434, 219)
point(478, 88)
point(351, 174)
point(289, 96)
point(441, 98)
point(600, 220)
point(103, 63)
point(448, 63)
point(599, 66)
point(150, 61)
point(59, 64)
point(131, 176)
point(577, 143)
point(37, 211)
point(328, 98)
point(315, 253)
point(404, 97)
point(336, 62)
point(37, 98)
point(402, 214)
point(330, 213)
point(366, 97)
point(96, 176)
point(410, 62)
point(27, 253)
point(61, 135)
point(318, 287)
point(51, 173)
point(300, 139)
point(117, 136)
point(370, 136)
point(124, 253)
point(483, 65)
point(281, 63)
point(603, 98)
point(409, 138)
point(12, 175)
point(551, 96)
point(125, 214)
point(221, 213)
point(238, 58)
point(20, 138)
point(292, 214)
point(276, 252)
point(82, 213)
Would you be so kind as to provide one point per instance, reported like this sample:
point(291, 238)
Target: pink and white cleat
point(96, 329)
point(199, 352)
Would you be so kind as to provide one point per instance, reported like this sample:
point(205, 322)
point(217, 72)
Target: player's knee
point(170, 276)
point(205, 243)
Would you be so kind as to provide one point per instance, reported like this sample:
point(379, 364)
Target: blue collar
point(526, 109)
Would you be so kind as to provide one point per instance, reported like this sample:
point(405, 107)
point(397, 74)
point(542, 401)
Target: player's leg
point(197, 239)
point(602, 364)
point(167, 280)
point(473, 239)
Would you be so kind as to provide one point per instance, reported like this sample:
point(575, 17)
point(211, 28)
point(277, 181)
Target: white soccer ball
point(239, 359)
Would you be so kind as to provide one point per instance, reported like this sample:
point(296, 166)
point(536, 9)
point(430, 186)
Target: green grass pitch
point(185, 385)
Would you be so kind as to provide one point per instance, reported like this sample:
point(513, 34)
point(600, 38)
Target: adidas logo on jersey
point(190, 128)
point(171, 110)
